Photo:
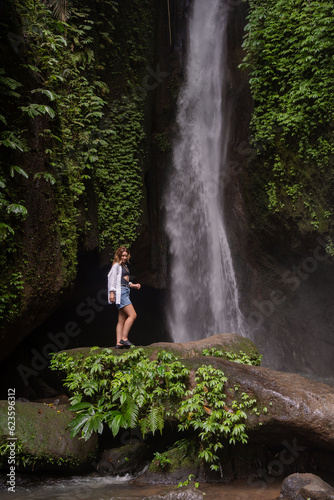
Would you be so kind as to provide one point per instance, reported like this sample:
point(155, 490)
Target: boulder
point(181, 463)
point(229, 342)
point(292, 429)
point(128, 459)
point(305, 487)
point(297, 409)
point(293, 419)
point(43, 440)
point(184, 493)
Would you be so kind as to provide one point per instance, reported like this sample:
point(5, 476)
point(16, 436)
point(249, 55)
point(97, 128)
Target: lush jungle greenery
point(125, 391)
point(289, 54)
point(72, 125)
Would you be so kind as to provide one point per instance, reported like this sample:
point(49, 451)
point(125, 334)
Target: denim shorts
point(125, 297)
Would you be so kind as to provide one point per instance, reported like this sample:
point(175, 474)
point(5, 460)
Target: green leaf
point(116, 424)
point(34, 110)
point(15, 208)
point(46, 176)
point(19, 170)
point(51, 95)
point(49, 111)
point(5, 230)
point(77, 423)
point(82, 406)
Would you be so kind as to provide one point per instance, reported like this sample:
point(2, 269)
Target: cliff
point(87, 130)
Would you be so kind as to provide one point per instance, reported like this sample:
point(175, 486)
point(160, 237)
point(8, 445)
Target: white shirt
point(114, 282)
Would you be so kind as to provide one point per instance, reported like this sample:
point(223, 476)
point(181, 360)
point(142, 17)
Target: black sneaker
point(126, 343)
point(117, 346)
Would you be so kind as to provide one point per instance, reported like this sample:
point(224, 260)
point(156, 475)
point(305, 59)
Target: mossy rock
point(43, 439)
point(177, 467)
point(128, 459)
point(228, 342)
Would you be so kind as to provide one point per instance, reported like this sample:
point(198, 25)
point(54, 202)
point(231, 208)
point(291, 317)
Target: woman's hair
point(118, 255)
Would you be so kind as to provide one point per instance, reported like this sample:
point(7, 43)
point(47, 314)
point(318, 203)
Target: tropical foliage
point(126, 391)
point(289, 54)
point(67, 129)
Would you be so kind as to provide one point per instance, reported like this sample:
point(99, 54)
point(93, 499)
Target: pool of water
point(95, 487)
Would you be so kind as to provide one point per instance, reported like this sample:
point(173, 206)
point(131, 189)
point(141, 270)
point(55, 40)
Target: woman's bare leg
point(131, 314)
point(120, 325)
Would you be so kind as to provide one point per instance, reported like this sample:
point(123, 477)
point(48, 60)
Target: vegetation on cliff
point(289, 54)
point(73, 128)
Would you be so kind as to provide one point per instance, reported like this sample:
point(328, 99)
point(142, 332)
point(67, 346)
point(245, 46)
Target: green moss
point(230, 343)
point(183, 455)
point(26, 460)
point(42, 437)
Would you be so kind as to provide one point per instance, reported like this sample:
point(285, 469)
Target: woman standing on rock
point(119, 285)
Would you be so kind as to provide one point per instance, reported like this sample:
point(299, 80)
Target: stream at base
point(95, 487)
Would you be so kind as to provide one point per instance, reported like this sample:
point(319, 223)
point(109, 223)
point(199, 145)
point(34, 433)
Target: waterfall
point(203, 290)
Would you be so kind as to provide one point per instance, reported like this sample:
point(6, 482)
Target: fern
point(130, 390)
point(155, 418)
point(131, 412)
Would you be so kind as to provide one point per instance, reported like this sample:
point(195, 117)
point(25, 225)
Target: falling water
point(204, 295)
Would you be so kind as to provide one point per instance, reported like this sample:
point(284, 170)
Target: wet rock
point(180, 463)
point(43, 440)
point(230, 342)
point(236, 461)
point(128, 459)
point(299, 411)
point(305, 487)
point(187, 493)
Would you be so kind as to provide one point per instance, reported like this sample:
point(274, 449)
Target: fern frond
point(144, 428)
point(131, 413)
point(156, 418)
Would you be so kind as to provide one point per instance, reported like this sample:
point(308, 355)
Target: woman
point(119, 285)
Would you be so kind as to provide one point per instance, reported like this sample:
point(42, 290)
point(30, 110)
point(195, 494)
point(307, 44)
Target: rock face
point(306, 487)
point(43, 440)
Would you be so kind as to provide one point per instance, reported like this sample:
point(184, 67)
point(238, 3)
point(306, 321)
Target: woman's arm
point(135, 285)
point(112, 283)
